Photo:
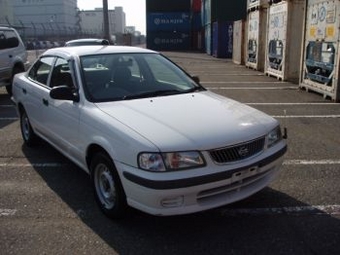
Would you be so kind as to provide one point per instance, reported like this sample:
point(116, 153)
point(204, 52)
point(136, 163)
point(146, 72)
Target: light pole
point(106, 20)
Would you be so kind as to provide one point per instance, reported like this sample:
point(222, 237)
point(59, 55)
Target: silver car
point(13, 56)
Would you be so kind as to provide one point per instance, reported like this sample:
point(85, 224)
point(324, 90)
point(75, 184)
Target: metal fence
point(48, 35)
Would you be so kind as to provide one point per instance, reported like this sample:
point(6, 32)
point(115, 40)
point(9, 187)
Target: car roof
point(86, 40)
point(6, 28)
point(68, 52)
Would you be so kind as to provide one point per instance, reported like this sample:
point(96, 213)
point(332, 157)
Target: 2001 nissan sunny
point(150, 136)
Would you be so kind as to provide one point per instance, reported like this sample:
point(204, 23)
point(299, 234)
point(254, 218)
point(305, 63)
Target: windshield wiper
point(194, 89)
point(153, 94)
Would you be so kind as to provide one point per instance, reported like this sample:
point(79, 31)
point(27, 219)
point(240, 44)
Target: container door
point(276, 39)
point(321, 48)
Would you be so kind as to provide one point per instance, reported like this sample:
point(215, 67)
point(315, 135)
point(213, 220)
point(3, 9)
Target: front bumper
point(171, 196)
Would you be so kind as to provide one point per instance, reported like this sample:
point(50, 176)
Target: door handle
point(24, 91)
point(45, 102)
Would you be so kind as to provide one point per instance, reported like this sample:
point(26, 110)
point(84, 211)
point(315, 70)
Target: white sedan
point(150, 136)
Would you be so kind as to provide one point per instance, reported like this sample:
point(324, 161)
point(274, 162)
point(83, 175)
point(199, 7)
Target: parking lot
point(47, 204)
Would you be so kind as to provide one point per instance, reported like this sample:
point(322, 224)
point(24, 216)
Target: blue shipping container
point(168, 41)
point(222, 37)
point(197, 21)
point(168, 21)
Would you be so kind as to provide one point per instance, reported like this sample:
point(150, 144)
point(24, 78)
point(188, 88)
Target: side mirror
point(196, 79)
point(63, 92)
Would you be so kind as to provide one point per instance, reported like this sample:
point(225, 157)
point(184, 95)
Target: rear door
point(34, 93)
point(5, 60)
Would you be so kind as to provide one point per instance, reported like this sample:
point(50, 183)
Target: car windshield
point(128, 76)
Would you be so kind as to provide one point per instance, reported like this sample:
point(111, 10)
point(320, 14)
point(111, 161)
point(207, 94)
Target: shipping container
point(222, 39)
point(222, 10)
point(239, 42)
point(196, 5)
point(208, 39)
point(284, 38)
point(169, 6)
point(179, 41)
point(196, 21)
point(206, 12)
point(168, 21)
point(320, 58)
point(197, 42)
point(255, 4)
point(257, 23)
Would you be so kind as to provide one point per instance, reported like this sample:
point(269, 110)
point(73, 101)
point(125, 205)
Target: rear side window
point(41, 69)
point(8, 39)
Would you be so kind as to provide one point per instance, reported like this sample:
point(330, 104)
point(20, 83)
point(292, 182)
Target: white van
point(13, 56)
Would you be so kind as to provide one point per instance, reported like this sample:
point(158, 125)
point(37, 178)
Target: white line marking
point(237, 73)
point(7, 212)
point(245, 82)
point(335, 116)
point(308, 209)
point(311, 162)
point(331, 104)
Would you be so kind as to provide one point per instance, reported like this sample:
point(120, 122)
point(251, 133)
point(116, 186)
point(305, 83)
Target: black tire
point(27, 132)
point(108, 189)
point(9, 89)
point(15, 71)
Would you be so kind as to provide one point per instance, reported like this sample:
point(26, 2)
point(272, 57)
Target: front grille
point(238, 152)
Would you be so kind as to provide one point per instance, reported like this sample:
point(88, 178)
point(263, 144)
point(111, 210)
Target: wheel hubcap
point(25, 127)
point(105, 187)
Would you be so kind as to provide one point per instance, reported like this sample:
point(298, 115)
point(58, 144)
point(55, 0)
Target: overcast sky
point(134, 10)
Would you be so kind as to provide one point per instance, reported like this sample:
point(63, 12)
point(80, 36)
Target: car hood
point(198, 121)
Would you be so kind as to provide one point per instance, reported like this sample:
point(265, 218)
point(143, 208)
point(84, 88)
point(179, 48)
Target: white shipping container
point(252, 4)
point(257, 23)
point(206, 12)
point(320, 59)
point(284, 38)
point(238, 42)
point(208, 39)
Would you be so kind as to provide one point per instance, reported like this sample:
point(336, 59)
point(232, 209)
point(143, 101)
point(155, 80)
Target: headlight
point(160, 162)
point(274, 137)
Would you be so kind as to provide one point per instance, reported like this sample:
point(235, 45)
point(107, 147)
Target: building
point(57, 20)
point(130, 30)
point(6, 15)
point(42, 18)
point(92, 21)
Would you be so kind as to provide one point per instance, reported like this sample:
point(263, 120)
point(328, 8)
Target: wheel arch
point(92, 150)
point(18, 65)
point(20, 108)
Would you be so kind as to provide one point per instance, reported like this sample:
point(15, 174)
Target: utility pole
point(106, 21)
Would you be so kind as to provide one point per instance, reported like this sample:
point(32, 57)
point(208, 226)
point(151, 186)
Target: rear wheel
point(27, 132)
point(9, 89)
point(108, 189)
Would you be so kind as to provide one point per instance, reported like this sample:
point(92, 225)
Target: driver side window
point(61, 74)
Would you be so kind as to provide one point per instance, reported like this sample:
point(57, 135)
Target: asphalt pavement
point(47, 205)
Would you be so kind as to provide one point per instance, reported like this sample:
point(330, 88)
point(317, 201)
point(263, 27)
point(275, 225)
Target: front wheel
point(109, 192)
point(27, 132)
